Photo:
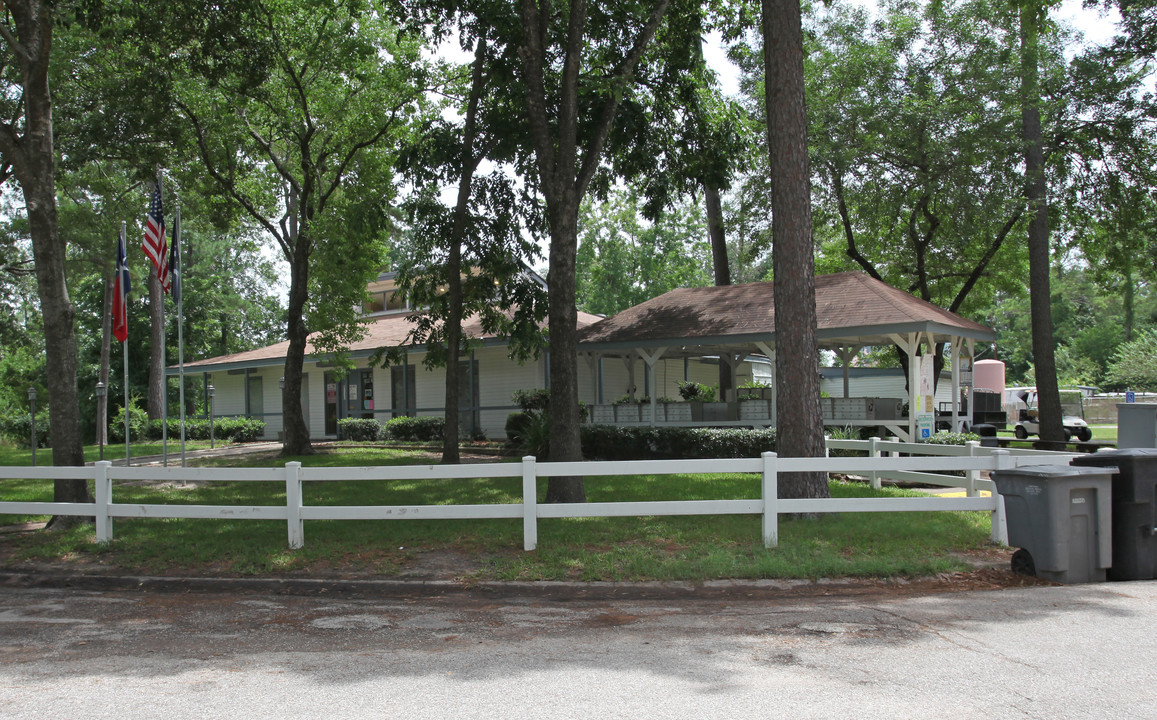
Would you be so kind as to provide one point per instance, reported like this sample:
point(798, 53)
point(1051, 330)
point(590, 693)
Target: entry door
point(331, 403)
point(367, 395)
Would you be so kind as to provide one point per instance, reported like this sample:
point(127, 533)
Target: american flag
point(155, 244)
point(120, 299)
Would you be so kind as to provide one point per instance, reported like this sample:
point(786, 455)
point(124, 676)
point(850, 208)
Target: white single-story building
point(643, 352)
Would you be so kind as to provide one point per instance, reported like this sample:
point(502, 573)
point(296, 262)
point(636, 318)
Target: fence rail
point(881, 460)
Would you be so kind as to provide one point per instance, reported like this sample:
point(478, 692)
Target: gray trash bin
point(1060, 518)
point(1134, 510)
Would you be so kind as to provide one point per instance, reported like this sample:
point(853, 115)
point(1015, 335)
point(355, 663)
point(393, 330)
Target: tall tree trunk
point(1036, 192)
point(155, 403)
point(800, 428)
point(33, 159)
point(565, 440)
point(296, 440)
point(565, 171)
point(454, 298)
point(719, 263)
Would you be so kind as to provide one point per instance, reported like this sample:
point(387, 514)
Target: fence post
point(770, 494)
point(874, 452)
point(529, 504)
point(293, 505)
point(999, 534)
point(973, 475)
point(103, 491)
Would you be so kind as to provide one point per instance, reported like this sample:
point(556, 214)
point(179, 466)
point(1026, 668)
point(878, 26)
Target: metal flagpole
point(125, 353)
point(177, 274)
point(164, 377)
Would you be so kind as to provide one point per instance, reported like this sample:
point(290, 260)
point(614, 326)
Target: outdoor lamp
point(281, 383)
point(32, 409)
point(101, 389)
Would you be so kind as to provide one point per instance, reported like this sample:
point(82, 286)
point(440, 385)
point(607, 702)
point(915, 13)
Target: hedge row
point(225, 429)
point(416, 429)
point(610, 442)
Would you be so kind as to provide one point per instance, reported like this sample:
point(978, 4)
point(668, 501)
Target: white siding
point(498, 378)
point(228, 394)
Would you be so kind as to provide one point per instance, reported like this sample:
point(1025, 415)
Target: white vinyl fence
point(880, 462)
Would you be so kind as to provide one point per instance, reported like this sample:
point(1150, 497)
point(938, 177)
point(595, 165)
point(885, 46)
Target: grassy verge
point(667, 548)
point(22, 456)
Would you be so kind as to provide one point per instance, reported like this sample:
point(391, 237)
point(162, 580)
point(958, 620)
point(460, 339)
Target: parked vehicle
point(1028, 421)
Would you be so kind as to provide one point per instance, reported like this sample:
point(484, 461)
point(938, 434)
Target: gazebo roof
point(851, 309)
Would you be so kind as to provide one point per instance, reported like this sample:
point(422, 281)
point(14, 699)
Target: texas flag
point(120, 297)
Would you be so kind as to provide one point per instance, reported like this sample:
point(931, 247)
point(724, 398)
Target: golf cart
point(1027, 422)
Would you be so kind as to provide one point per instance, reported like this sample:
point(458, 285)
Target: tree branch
point(622, 76)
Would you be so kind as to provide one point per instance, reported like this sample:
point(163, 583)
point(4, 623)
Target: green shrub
point(536, 436)
point(951, 438)
point(138, 423)
point(419, 429)
point(239, 429)
point(16, 427)
point(531, 400)
point(690, 391)
point(516, 423)
point(845, 433)
point(359, 429)
point(610, 442)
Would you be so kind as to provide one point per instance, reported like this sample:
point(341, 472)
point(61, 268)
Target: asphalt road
point(1036, 652)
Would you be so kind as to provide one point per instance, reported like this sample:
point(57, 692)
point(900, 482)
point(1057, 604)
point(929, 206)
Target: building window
point(385, 301)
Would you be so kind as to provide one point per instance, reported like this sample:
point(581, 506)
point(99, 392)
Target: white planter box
point(678, 412)
point(754, 409)
point(603, 414)
point(628, 413)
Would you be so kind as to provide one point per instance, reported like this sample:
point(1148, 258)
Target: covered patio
point(736, 322)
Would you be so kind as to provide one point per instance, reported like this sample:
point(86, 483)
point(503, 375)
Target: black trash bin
point(1134, 510)
point(987, 434)
point(1060, 518)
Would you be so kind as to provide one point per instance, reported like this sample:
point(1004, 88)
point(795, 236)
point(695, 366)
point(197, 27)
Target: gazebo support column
point(957, 358)
point(593, 362)
point(651, 359)
point(768, 349)
point(846, 354)
point(629, 361)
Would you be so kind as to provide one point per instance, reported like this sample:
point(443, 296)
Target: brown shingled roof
point(851, 308)
point(387, 331)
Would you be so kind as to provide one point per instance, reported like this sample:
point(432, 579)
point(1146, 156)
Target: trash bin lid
point(1046, 472)
point(1111, 457)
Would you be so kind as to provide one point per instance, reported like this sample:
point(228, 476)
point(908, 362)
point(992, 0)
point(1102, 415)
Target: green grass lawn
point(687, 548)
point(10, 455)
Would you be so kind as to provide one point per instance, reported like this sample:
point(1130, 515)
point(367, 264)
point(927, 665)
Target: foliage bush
point(516, 423)
point(610, 442)
point(418, 429)
point(225, 429)
point(952, 438)
point(530, 401)
point(240, 429)
point(16, 427)
point(360, 429)
point(138, 423)
point(844, 433)
point(693, 391)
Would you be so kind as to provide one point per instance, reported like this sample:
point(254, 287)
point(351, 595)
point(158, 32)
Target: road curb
point(357, 587)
